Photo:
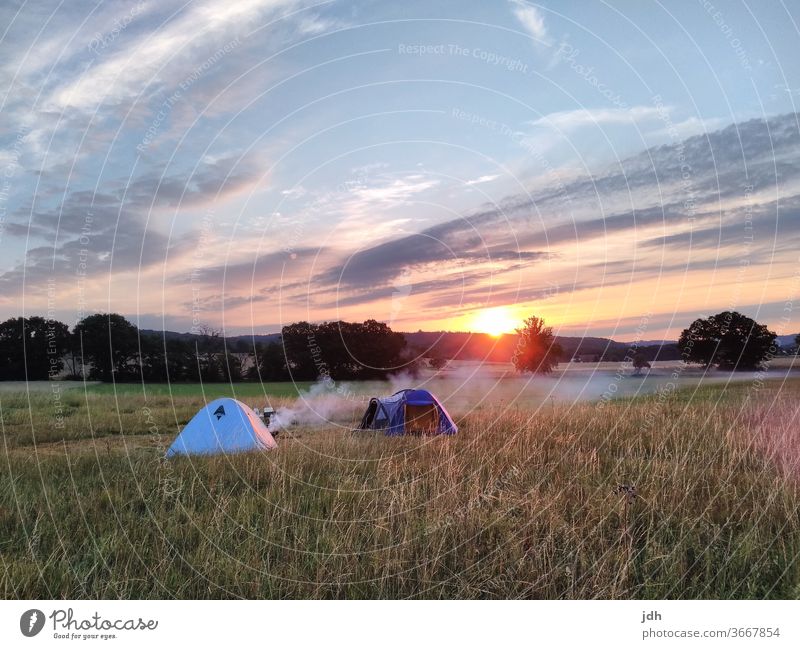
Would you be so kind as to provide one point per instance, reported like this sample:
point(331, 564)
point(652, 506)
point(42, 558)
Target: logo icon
point(220, 412)
point(31, 622)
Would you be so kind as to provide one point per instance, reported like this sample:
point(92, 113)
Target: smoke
point(323, 403)
point(465, 387)
point(401, 381)
point(331, 402)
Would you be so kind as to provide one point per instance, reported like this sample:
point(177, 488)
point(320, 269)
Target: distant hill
point(464, 345)
point(787, 341)
point(478, 346)
point(233, 341)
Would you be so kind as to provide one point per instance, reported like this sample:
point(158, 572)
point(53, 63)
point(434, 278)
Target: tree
point(210, 352)
point(73, 359)
point(639, 363)
point(269, 363)
point(299, 341)
point(110, 345)
point(537, 350)
point(233, 365)
point(168, 360)
point(371, 349)
point(729, 340)
point(32, 348)
point(342, 350)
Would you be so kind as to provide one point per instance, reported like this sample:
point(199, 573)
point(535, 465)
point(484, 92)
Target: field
point(689, 491)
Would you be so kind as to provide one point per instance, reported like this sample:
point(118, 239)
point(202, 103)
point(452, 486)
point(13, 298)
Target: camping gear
point(268, 414)
point(408, 412)
point(223, 426)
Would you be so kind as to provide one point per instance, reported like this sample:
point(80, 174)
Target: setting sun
point(495, 322)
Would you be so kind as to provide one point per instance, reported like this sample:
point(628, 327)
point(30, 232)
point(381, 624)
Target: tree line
point(107, 347)
point(728, 341)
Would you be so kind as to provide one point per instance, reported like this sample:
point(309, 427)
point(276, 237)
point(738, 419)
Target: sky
point(617, 168)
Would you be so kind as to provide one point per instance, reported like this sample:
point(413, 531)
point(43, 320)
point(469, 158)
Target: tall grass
point(659, 497)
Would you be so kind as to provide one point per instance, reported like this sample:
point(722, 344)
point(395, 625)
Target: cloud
point(655, 187)
point(267, 267)
point(628, 204)
point(569, 120)
point(378, 265)
point(759, 230)
point(212, 179)
point(83, 113)
point(105, 248)
point(482, 179)
point(85, 80)
point(531, 20)
point(178, 45)
point(609, 226)
point(96, 236)
point(312, 24)
point(391, 192)
point(692, 125)
point(353, 205)
point(450, 284)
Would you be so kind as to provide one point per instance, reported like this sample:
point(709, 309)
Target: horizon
point(566, 334)
point(459, 170)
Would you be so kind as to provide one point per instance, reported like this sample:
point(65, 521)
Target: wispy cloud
point(531, 19)
point(571, 119)
point(190, 35)
point(392, 192)
point(487, 178)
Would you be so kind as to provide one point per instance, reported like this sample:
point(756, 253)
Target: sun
point(495, 321)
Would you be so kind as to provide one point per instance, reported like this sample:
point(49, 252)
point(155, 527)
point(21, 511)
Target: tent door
point(369, 415)
point(422, 420)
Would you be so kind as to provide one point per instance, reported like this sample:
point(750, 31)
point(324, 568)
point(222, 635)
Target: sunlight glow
point(495, 321)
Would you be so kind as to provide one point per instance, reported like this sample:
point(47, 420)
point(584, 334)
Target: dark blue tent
point(408, 411)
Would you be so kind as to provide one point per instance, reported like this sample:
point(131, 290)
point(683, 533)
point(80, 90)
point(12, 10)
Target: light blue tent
point(223, 426)
point(408, 412)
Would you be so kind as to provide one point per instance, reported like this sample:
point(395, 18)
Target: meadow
point(683, 492)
